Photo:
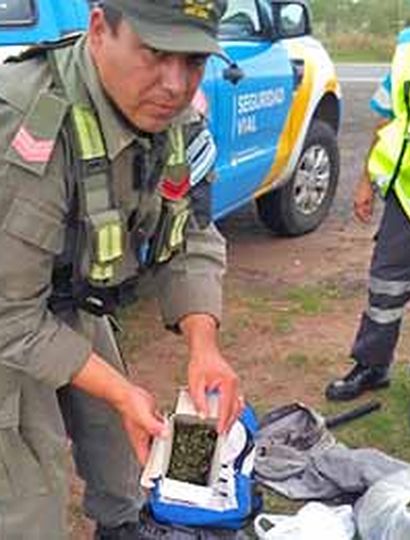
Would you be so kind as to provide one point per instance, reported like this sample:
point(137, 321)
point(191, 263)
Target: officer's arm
point(136, 407)
point(363, 199)
point(192, 281)
point(33, 208)
point(364, 195)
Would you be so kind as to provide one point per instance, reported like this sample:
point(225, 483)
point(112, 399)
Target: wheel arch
point(329, 111)
point(276, 208)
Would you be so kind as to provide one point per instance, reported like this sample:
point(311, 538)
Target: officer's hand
point(209, 371)
point(364, 200)
point(141, 421)
point(136, 407)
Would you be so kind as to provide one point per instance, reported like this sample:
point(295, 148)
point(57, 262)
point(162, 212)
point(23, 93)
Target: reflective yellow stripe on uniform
point(108, 235)
point(177, 144)
point(88, 133)
point(106, 223)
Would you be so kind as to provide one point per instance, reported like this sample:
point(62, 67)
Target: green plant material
point(192, 452)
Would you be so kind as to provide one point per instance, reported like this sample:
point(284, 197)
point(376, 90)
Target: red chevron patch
point(31, 149)
point(172, 191)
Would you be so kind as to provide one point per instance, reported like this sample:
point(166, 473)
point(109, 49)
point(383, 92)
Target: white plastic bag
point(314, 521)
point(383, 513)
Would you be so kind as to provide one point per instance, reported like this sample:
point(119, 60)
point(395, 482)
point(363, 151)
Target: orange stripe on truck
point(292, 129)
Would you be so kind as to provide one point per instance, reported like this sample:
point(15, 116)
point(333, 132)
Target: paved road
point(361, 73)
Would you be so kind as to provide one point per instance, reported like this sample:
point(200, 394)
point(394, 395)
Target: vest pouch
point(106, 243)
point(170, 234)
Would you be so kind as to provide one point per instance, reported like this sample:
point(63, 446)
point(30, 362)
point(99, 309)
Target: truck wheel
point(304, 201)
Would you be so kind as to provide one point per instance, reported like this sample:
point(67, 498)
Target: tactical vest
point(109, 250)
point(389, 161)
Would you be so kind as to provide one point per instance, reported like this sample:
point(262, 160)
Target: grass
point(297, 300)
point(311, 300)
point(297, 359)
point(356, 47)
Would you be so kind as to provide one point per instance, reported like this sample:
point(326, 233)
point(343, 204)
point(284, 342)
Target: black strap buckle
point(93, 166)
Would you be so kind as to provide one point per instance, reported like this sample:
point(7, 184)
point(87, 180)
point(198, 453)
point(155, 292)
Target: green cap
point(174, 25)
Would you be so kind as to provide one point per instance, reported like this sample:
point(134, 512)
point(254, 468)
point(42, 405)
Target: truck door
point(247, 118)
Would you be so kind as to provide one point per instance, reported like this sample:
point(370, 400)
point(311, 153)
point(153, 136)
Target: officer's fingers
point(227, 407)
point(363, 211)
point(197, 389)
point(155, 425)
point(237, 410)
point(141, 444)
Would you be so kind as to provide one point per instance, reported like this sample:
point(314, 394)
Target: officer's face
point(149, 87)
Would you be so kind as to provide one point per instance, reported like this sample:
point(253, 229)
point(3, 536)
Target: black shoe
point(357, 381)
point(126, 531)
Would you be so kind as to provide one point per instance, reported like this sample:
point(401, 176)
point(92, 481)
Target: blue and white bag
point(228, 500)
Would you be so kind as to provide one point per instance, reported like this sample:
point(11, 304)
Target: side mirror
point(233, 73)
point(292, 19)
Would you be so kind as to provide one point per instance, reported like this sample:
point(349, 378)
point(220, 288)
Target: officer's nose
point(175, 74)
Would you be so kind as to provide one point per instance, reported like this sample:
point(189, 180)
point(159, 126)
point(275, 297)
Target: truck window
point(17, 12)
point(241, 20)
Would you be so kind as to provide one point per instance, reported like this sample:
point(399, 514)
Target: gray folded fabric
point(298, 457)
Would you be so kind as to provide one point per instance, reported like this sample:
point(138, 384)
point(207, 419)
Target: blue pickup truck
point(274, 112)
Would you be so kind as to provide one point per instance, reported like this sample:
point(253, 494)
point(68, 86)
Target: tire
point(303, 202)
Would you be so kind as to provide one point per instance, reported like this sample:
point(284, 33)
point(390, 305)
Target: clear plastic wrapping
point(383, 513)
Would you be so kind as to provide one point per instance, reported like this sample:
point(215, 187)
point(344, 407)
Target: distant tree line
point(381, 17)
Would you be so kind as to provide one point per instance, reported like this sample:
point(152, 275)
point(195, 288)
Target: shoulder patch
point(34, 142)
point(201, 154)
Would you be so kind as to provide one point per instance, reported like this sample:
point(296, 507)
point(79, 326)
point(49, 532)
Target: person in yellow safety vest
point(105, 172)
point(388, 172)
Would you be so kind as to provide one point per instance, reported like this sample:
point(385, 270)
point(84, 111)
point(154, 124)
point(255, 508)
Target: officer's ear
point(97, 28)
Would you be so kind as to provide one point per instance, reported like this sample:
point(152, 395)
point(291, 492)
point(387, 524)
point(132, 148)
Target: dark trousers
point(389, 289)
point(100, 447)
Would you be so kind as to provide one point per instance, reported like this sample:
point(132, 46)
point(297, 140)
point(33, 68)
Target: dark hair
point(113, 17)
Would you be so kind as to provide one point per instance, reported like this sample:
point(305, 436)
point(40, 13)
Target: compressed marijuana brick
point(192, 452)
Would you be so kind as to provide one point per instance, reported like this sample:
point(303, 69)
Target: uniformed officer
point(389, 283)
point(103, 173)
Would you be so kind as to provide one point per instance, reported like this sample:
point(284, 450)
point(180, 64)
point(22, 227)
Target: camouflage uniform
point(42, 344)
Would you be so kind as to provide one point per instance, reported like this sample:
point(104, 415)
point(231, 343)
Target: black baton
point(358, 412)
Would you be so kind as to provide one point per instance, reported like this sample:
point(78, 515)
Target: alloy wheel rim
point(312, 180)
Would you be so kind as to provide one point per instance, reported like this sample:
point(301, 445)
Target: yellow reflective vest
point(389, 160)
